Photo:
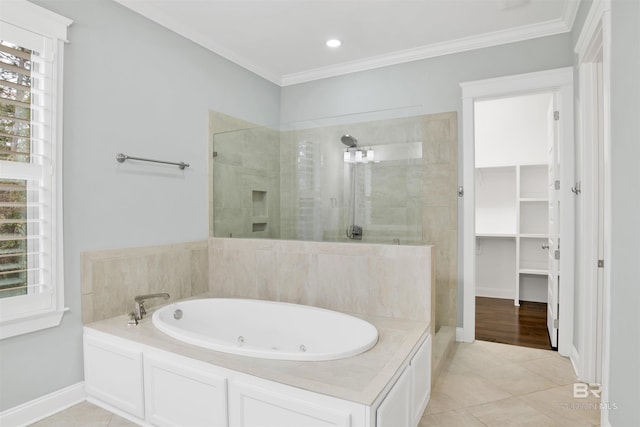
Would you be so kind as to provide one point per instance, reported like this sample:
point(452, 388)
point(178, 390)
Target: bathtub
point(266, 329)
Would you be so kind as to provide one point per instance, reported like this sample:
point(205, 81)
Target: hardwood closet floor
point(498, 320)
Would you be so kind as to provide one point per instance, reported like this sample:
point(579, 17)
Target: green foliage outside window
point(15, 146)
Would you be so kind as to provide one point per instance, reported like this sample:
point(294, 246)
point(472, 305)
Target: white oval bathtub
point(266, 329)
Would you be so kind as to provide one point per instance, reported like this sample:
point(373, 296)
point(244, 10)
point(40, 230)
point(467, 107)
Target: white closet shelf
point(495, 234)
point(535, 271)
point(534, 236)
point(512, 215)
point(534, 199)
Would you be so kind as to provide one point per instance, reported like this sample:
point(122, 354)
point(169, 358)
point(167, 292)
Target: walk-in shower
point(354, 232)
point(297, 182)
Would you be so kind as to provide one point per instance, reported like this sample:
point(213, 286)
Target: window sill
point(35, 322)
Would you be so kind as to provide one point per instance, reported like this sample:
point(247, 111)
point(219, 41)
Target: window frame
point(32, 312)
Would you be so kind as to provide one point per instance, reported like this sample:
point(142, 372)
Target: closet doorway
point(518, 218)
point(516, 294)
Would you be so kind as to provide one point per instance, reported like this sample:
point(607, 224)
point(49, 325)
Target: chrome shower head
point(349, 140)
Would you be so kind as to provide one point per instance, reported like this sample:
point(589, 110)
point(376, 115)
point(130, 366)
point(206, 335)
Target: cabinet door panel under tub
point(182, 392)
point(251, 404)
point(421, 380)
point(113, 373)
point(395, 409)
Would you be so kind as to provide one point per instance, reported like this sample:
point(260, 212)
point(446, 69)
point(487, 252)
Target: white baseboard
point(574, 357)
point(42, 407)
point(459, 335)
point(495, 293)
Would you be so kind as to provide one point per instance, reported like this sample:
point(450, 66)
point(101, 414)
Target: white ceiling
point(284, 40)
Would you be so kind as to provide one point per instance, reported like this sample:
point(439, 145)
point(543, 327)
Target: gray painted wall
point(432, 84)
point(130, 86)
point(625, 198)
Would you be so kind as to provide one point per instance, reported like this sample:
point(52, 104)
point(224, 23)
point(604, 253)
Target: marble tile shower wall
point(112, 278)
point(408, 201)
point(440, 210)
point(379, 280)
point(413, 201)
point(389, 201)
point(246, 179)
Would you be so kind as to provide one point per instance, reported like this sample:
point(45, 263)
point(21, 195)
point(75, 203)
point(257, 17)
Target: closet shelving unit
point(512, 229)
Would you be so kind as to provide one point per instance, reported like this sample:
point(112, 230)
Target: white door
point(554, 229)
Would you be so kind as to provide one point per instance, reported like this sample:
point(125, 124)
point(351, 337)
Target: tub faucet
point(139, 310)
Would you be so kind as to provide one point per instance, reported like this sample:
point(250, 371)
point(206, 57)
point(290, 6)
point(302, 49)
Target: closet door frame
point(559, 81)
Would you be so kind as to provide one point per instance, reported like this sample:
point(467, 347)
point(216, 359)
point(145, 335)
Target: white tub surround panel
point(371, 279)
point(387, 286)
point(358, 379)
point(360, 391)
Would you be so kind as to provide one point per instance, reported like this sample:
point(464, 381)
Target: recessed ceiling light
point(334, 43)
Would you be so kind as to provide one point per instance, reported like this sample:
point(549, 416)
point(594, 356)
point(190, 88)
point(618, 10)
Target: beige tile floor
point(84, 415)
point(490, 384)
point(483, 384)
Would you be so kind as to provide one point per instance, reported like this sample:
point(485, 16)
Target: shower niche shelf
point(259, 211)
point(257, 227)
point(259, 203)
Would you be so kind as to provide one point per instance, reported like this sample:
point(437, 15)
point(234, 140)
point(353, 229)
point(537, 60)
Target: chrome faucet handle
point(133, 321)
point(138, 310)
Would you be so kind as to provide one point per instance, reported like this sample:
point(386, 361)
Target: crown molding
point(549, 28)
point(543, 29)
point(149, 11)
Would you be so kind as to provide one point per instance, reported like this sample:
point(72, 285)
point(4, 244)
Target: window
point(31, 279)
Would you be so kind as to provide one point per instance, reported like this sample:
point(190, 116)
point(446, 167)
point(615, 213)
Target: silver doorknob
point(545, 246)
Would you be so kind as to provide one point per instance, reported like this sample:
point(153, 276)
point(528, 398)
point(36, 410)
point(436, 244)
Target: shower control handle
point(354, 232)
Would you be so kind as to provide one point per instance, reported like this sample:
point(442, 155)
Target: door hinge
point(555, 323)
point(600, 263)
point(556, 184)
point(214, 154)
point(556, 254)
point(460, 191)
point(577, 189)
point(556, 115)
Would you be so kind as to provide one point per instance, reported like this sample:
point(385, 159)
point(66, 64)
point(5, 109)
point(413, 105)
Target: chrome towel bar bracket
point(122, 157)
